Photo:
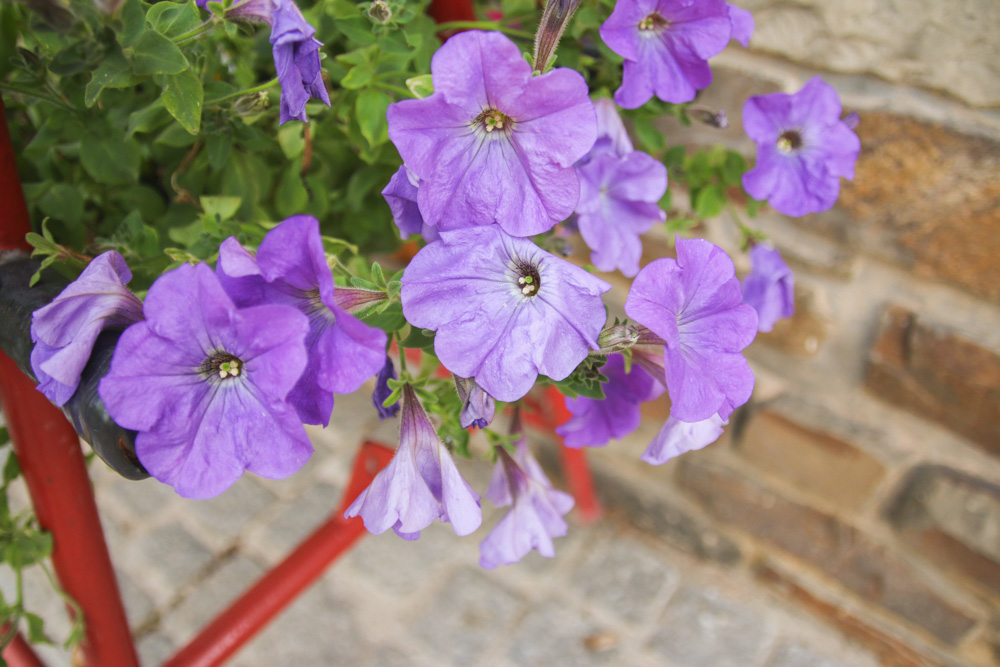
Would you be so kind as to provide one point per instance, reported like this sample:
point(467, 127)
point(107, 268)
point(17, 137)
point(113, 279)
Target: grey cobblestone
point(224, 516)
point(557, 632)
point(169, 557)
point(298, 519)
point(211, 596)
point(798, 655)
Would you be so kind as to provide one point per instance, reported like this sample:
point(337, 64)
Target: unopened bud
point(250, 104)
point(380, 12)
point(617, 338)
point(554, 19)
point(716, 119)
point(356, 299)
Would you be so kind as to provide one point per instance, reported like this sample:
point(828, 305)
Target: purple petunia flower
point(619, 201)
point(770, 287)
point(695, 305)
point(596, 421)
point(537, 513)
point(382, 391)
point(478, 407)
point(803, 148)
point(204, 383)
point(504, 309)
point(611, 134)
point(743, 24)
point(64, 331)
point(419, 485)
point(291, 269)
point(677, 437)
point(666, 45)
point(401, 196)
point(494, 143)
point(295, 50)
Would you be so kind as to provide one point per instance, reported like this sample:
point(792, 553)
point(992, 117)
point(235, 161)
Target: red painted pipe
point(275, 590)
point(443, 11)
point(14, 223)
point(19, 653)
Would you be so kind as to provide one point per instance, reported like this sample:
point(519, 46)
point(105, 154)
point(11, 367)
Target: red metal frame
point(20, 654)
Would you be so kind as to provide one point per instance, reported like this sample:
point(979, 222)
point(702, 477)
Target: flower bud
point(617, 338)
point(554, 19)
point(380, 12)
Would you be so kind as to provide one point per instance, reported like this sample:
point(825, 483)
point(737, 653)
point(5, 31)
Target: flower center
point(528, 280)
point(493, 121)
point(222, 366)
point(653, 23)
point(789, 141)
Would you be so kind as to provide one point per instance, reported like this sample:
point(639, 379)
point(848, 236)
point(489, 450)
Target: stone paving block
point(556, 632)
point(138, 499)
point(211, 596)
point(799, 655)
point(296, 521)
point(170, 555)
point(317, 629)
point(225, 515)
point(700, 627)
point(398, 566)
point(138, 605)
point(154, 649)
point(470, 612)
point(625, 576)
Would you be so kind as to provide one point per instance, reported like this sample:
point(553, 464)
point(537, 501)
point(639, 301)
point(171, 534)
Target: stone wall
point(862, 482)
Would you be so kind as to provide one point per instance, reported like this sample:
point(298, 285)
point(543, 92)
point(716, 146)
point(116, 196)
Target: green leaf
point(133, 22)
point(11, 469)
point(217, 146)
point(152, 53)
point(148, 118)
point(389, 319)
point(371, 106)
point(64, 203)
point(291, 196)
point(114, 72)
point(37, 275)
point(221, 208)
point(172, 19)
point(649, 137)
point(357, 77)
point(378, 276)
point(112, 161)
point(4, 436)
point(36, 629)
point(291, 138)
point(41, 245)
point(29, 547)
point(421, 86)
point(710, 201)
point(183, 97)
point(422, 339)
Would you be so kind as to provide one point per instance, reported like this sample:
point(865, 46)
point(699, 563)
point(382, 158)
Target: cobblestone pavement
point(611, 595)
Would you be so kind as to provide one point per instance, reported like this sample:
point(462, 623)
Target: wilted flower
point(666, 45)
point(420, 484)
point(291, 269)
point(803, 148)
point(382, 391)
point(494, 143)
point(695, 305)
point(677, 437)
point(65, 330)
point(401, 196)
point(204, 383)
point(597, 421)
point(769, 288)
point(504, 309)
point(478, 407)
point(619, 201)
point(537, 513)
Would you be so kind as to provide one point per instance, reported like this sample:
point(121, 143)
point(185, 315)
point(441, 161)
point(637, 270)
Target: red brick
point(840, 551)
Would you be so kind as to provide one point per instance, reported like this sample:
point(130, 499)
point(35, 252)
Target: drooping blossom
point(382, 391)
point(295, 50)
point(769, 288)
point(504, 310)
point(401, 196)
point(619, 201)
point(290, 269)
point(694, 304)
point(677, 437)
point(597, 421)
point(537, 513)
point(803, 148)
point(204, 383)
point(666, 45)
point(612, 137)
point(743, 24)
point(494, 143)
point(420, 484)
point(478, 407)
point(65, 330)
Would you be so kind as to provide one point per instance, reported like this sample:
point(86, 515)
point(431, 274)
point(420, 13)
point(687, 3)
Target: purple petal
point(677, 437)
point(770, 287)
point(743, 24)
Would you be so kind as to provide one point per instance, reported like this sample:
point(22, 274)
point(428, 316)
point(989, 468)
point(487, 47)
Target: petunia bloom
point(694, 304)
point(401, 196)
point(677, 437)
point(666, 45)
point(769, 288)
point(64, 331)
point(420, 485)
point(619, 201)
point(612, 137)
point(478, 407)
point(204, 383)
point(290, 269)
point(295, 50)
point(803, 148)
point(382, 391)
point(597, 421)
point(537, 513)
point(504, 309)
point(494, 143)
point(743, 24)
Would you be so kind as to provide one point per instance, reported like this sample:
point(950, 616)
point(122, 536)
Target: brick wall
point(862, 482)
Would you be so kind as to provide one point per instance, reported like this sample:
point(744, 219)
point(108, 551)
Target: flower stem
point(484, 25)
point(40, 95)
point(194, 32)
point(394, 89)
point(241, 93)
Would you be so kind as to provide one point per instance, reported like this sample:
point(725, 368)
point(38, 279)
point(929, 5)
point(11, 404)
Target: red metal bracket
point(19, 652)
